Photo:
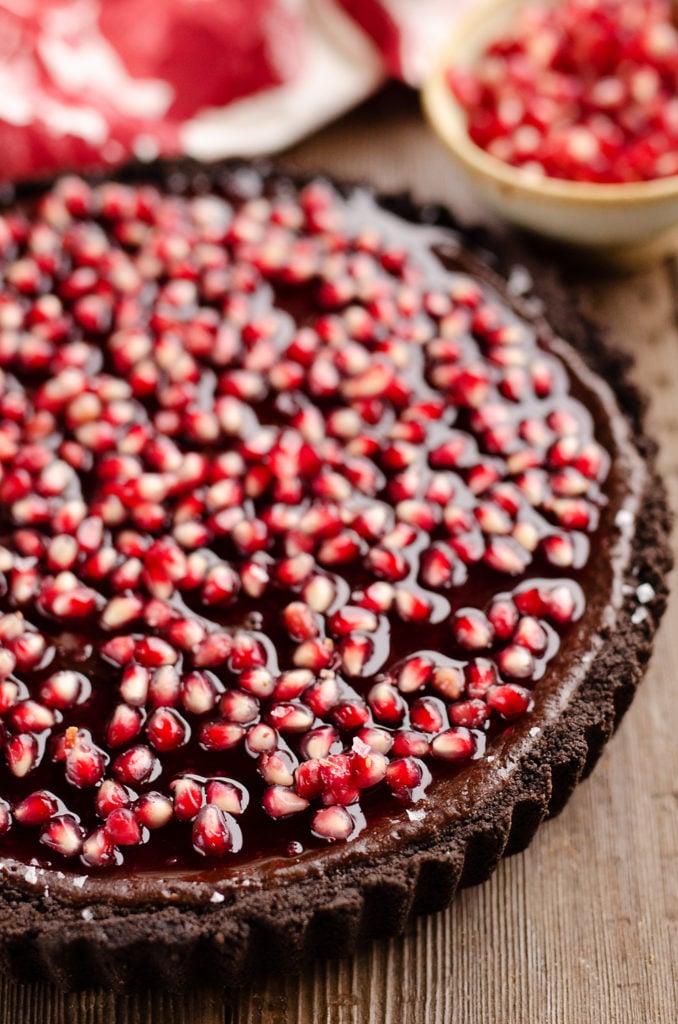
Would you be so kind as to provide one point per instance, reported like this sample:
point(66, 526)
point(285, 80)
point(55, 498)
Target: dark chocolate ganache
point(299, 519)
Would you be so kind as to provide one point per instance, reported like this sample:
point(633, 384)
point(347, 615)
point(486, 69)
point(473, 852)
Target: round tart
point(327, 568)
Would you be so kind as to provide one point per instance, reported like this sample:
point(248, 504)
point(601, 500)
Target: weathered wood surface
point(581, 928)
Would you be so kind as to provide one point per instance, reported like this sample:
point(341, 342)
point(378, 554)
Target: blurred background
point(86, 82)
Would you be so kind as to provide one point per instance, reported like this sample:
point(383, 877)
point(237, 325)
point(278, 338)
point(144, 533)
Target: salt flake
point(645, 593)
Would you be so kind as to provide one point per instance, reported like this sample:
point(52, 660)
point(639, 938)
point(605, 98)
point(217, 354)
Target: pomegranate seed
point(378, 597)
point(340, 549)
point(261, 738)
point(531, 601)
point(152, 652)
point(292, 684)
point(62, 553)
point(21, 753)
point(90, 534)
point(282, 802)
point(240, 707)
point(565, 603)
point(592, 461)
point(404, 774)
point(322, 695)
point(246, 653)
point(387, 564)
point(211, 833)
point(78, 603)
point(122, 828)
point(134, 685)
point(7, 666)
point(185, 634)
point(470, 713)
point(472, 629)
point(414, 674)
point(28, 650)
point(219, 734)
point(110, 796)
point(386, 704)
point(559, 551)
point(85, 764)
point(351, 618)
point(412, 607)
point(158, 614)
point(257, 681)
point(509, 700)
point(293, 571)
point(371, 522)
point(128, 575)
point(516, 661)
point(276, 768)
point(299, 621)
point(408, 743)
point(65, 689)
point(9, 694)
point(121, 611)
point(333, 823)
point(213, 651)
point(308, 779)
point(427, 714)
point(355, 652)
point(227, 796)
point(221, 585)
point(574, 513)
point(11, 626)
point(187, 798)
point(482, 674)
point(136, 765)
point(505, 556)
point(63, 834)
point(164, 687)
point(97, 850)
point(153, 810)
point(314, 655)
point(337, 781)
point(30, 716)
point(317, 743)
point(198, 693)
point(368, 766)
point(455, 744)
point(503, 617)
point(24, 585)
point(438, 566)
point(119, 650)
point(350, 715)
point(529, 633)
point(166, 729)
point(448, 681)
point(291, 717)
point(36, 808)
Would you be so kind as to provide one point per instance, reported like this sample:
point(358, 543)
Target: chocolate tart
point(329, 561)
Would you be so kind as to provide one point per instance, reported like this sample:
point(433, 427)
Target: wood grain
point(583, 926)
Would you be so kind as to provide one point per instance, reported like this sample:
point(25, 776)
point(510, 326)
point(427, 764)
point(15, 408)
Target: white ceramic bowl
point(605, 218)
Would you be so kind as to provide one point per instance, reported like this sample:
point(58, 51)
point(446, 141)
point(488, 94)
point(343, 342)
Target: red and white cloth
point(89, 81)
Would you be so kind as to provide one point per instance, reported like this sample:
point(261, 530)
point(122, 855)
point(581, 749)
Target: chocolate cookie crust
point(328, 910)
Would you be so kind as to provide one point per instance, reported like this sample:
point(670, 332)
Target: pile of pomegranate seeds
point(585, 90)
point(292, 520)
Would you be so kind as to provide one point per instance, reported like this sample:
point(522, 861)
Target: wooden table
point(580, 929)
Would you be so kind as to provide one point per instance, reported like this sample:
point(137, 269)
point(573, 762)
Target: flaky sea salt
point(645, 592)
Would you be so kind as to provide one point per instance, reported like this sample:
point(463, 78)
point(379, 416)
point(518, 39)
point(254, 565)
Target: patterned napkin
point(86, 82)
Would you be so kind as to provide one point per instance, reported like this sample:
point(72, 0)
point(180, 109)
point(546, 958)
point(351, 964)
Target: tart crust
point(81, 932)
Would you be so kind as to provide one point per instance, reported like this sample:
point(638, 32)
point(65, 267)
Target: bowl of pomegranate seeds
point(565, 116)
